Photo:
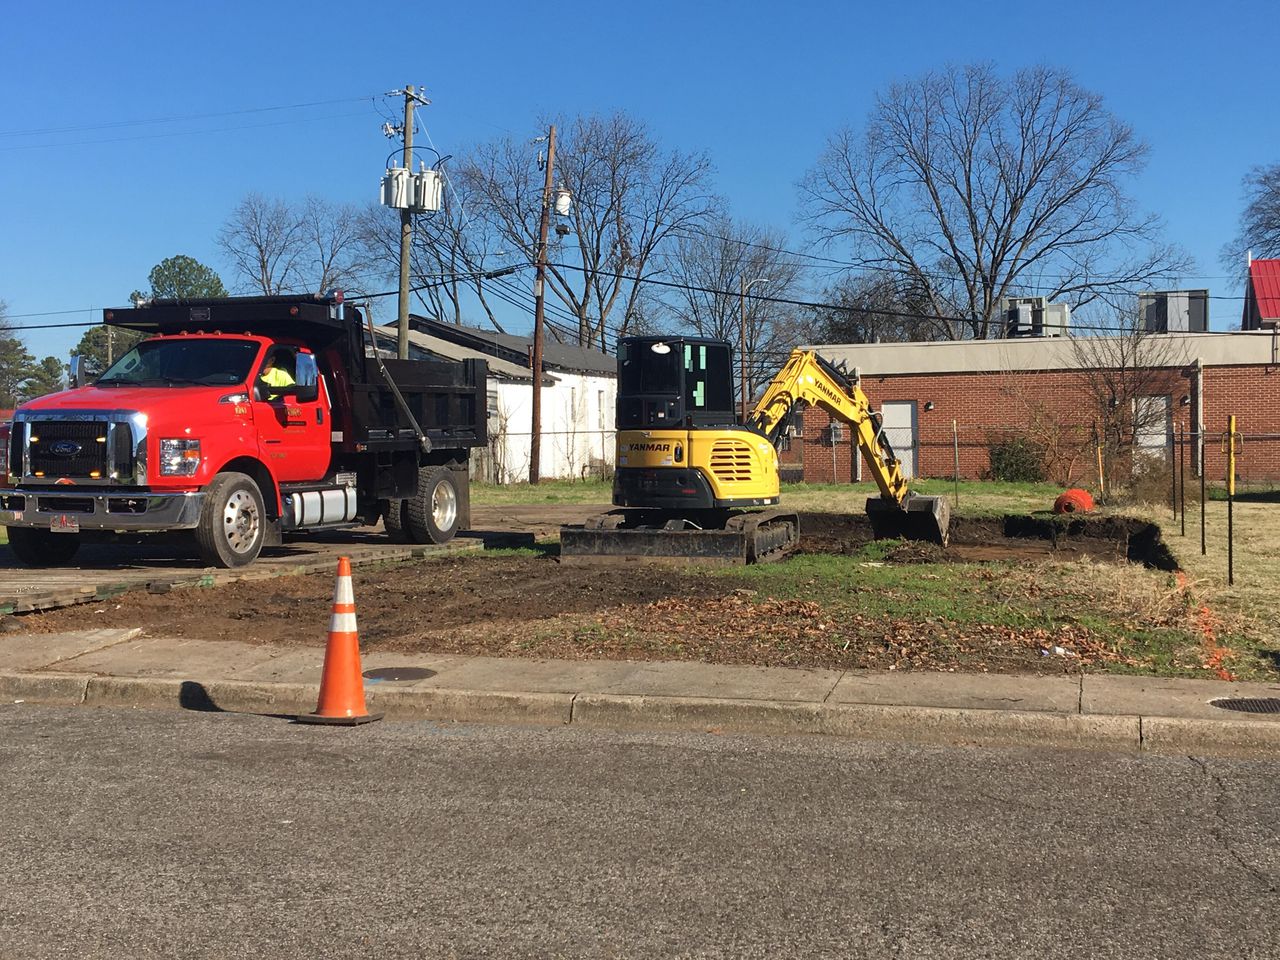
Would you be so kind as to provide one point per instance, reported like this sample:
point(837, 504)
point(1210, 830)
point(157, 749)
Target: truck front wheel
point(431, 515)
point(233, 521)
point(42, 548)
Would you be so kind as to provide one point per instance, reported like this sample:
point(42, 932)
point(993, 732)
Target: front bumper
point(137, 511)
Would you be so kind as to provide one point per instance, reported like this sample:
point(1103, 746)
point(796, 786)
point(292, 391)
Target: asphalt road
point(162, 834)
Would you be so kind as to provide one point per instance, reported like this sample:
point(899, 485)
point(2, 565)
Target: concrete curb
point(915, 724)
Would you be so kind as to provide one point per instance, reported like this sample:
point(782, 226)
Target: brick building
point(1038, 389)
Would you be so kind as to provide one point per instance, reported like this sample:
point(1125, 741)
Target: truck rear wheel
point(42, 548)
point(233, 521)
point(431, 515)
point(393, 521)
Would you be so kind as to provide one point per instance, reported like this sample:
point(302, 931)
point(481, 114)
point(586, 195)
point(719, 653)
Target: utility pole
point(743, 287)
point(535, 439)
point(411, 99)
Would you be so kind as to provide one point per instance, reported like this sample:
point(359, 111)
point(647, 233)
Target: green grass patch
point(976, 497)
point(1117, 620)
point(548, 491)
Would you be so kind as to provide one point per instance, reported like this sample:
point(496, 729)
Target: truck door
point(292, 419)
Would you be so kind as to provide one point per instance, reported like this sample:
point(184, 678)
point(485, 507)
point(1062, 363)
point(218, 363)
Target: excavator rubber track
point(655, 536)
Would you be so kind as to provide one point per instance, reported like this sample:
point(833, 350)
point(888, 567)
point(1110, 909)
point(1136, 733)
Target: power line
point(817, 305)
point(179, 133)
point(115, 124)
point(688, 231)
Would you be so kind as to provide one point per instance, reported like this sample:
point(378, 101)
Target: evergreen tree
point(47, 376)
point(16, 368)
point(184, 278)
point(93, 345)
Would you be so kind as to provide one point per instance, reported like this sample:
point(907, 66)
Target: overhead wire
point(114, 124)
point(178, 133)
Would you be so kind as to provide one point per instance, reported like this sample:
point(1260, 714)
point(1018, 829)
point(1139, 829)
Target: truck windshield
point(187, 361)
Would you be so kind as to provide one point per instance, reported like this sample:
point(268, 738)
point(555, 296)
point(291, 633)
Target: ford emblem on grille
point(64, 448)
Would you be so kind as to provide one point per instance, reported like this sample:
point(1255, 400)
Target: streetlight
point(742, 331)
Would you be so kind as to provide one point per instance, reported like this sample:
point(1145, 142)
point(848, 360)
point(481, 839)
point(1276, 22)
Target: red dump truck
point(191, 430)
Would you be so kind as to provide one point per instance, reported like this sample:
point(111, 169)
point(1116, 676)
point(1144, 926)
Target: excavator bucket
point(916, 518)
point(616, 537)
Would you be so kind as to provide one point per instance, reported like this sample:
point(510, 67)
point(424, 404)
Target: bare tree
point(630, 199)
point(713, 267)
point(977, 187)
point(329, 244)
point(454, 260)
point(1260, 221)
point(1130, 381)
point(264, 241)
point(879, 307)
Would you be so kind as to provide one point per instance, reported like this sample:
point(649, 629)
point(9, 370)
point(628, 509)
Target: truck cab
point(240, 420)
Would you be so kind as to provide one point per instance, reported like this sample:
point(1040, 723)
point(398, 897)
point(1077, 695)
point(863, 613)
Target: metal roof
point(439, 347)
point(555, 356)
point(1264, 288)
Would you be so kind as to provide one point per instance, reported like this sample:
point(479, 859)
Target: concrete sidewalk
point(123, 668)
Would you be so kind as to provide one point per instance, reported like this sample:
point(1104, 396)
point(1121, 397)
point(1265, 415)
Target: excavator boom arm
point(807, 377)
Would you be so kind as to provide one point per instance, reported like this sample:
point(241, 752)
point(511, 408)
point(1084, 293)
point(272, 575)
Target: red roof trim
point(1264, 288)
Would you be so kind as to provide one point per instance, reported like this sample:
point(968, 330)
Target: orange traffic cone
point(341, 684)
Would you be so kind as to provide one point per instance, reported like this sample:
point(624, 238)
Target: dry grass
point(1256, 593)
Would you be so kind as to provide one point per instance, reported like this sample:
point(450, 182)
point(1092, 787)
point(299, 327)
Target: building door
point(899, 422)
point(1153, 426)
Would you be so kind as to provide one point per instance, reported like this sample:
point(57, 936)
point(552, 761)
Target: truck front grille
point(79, 450)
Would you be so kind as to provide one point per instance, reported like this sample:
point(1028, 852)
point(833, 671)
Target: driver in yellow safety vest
point(275, 375)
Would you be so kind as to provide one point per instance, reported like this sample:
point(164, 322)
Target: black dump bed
point(445, 397)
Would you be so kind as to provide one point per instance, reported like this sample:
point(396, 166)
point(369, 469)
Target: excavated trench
point(1013, 537)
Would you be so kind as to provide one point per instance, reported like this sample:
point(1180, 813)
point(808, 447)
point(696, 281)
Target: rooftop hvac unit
point(1035, 317)
point(1174, 311)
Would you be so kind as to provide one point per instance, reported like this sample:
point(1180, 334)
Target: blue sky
point(758, 86)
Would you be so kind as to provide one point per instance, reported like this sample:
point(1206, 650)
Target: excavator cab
point(670, 382)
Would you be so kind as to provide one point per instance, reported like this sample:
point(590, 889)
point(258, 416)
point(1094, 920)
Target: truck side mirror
point(307, 393)
point(78, 371)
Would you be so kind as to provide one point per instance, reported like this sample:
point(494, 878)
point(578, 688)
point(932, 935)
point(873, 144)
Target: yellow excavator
point(692, 483)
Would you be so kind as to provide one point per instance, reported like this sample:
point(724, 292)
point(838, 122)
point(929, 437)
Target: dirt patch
point(526, 605)
point(993, 539)
point(397, 603)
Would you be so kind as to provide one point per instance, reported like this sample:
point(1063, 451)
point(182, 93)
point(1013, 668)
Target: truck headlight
point(179, 457)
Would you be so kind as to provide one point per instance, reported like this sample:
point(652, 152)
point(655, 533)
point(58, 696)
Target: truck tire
point(233, 521)
point(431, 515)
point(393, 521)
point(42, 548)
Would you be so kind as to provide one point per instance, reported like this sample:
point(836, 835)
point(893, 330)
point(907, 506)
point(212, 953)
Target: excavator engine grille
point(731, 461)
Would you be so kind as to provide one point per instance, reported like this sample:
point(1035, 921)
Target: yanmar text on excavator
point(692, 483)
point(237, 421)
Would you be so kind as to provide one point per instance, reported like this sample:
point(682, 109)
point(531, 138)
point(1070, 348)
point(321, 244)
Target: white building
point(579, 390)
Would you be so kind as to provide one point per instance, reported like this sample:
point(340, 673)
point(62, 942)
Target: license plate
point(64, 523)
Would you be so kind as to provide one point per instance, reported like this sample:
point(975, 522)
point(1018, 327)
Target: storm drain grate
point(1248, 704)
point(399, 673)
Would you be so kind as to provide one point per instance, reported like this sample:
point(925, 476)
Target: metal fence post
point(1182, 473)
point(955, 441)
point(1200, 441)
point(1231, 496)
